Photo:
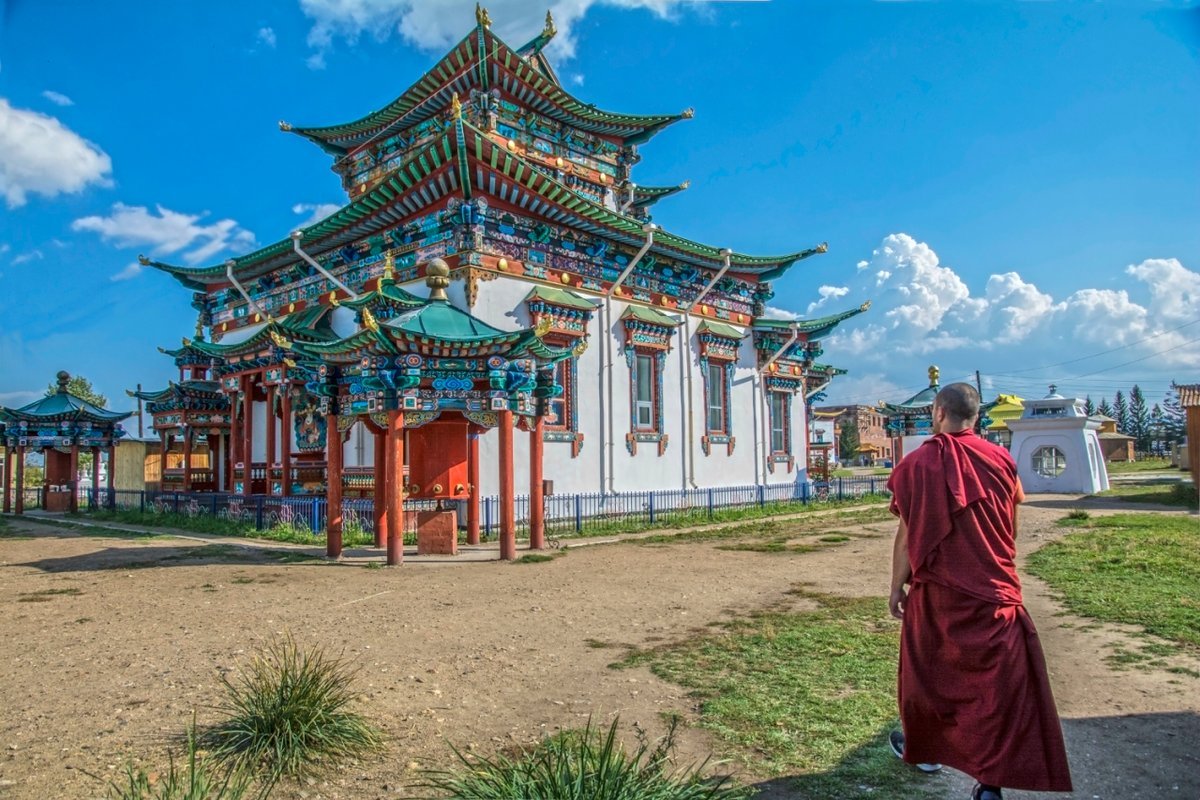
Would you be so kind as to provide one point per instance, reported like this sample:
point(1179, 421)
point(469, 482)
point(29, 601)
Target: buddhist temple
point(495, 270)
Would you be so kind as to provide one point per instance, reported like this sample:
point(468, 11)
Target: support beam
point(73, 500)
point(473, 479)
point(110, 474)
point(247, 435)
point(20, 500)
point(285, 435)
point(508, 528)
point(271, 439)
point(187, 458)
point(95, 478)
point(235, 443)
point(537, 500)
point(381, 488)
point(9, 455)
point(333, 479)
point(395, 488)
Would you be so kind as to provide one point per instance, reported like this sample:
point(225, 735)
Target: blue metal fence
point(566, 514)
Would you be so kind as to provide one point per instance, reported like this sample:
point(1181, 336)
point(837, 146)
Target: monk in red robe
point(973, 689)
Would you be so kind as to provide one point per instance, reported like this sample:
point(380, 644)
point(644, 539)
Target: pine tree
point(848, 440)
point(1121, 413)
point(1088, 407)
point(1139, 420)
point(1157, 431)
point(1174, 425)
point(1104, 408)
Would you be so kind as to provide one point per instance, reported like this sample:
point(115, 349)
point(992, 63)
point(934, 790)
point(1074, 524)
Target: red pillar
point(285, 443)
point(109, 475)
point(537, 511)
point(187, 458)
point(73, 501)
point(381, 488)
point(96, 477)
point(20, 479)
point(248, 435)
point(473, 479)
point(270, 436)
point(8, 470)
point(333, 480)
point(508, 528)
point(395, 488)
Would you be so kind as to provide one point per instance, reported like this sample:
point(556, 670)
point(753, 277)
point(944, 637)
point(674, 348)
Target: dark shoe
point(896, 742)
point(980, 793)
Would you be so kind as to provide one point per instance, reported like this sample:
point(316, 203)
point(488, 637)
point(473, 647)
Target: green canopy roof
point(561, 298)
point(719, 329)
point(813, 328)
point(63, 406)
point(651, 316)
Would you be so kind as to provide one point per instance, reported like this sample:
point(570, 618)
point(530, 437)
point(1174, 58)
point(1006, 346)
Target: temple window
point(645, 380)
point(781, 433)
point(1049, 462)
point(647, 341)
point(718, 354)
point(717, 400)
point(566, 317)
point(562, 408)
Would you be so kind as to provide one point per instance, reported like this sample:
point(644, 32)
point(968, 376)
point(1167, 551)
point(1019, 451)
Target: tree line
point(1153, 428)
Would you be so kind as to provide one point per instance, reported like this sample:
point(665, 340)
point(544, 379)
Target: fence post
point(177, 502)
point(761, 496)
point(142, 501)
point(710, 503)
point(578, 513)
point(841, 494)
point(487, 517)
point(258, 512)
point(651, 507)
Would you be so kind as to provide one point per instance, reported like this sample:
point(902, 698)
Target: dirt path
point(106, 657)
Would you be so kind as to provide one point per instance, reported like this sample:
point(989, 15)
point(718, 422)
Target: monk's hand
point(896, 602)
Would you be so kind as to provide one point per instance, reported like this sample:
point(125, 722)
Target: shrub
point(288, 715)
point(1078, 513)
point(583, 764)
point(202, 781)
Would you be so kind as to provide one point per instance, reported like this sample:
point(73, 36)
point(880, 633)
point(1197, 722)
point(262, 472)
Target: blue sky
point(1013, 186)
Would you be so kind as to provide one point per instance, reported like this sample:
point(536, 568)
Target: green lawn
point(1142, 569)
point(1143, 465)
point(1167, 493)
point(811, 695)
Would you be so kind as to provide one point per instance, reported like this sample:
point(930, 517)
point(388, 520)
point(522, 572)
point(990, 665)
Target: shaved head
point(960, 401)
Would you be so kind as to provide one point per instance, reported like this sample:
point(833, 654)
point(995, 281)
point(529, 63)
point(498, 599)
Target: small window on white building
point(1049, 462)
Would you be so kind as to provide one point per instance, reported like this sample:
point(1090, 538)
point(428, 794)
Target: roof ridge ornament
point(437, 278)
point(934, 374)
point(285, 126)
point(688, 113)
point(549, 30)
point(369, 321)
point(456, 111)
point(482, 17)
point(389, 268)
point(64, 378)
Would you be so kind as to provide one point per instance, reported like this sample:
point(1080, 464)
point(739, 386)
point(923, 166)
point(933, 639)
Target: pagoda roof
point(720, 329)
point(480, 61)
point(192, 388)
point(815, 328)
point(308, 325)
point(62, 406)
point(465, 159)
point(650, 316)
point(561, 298)
point(827, 369)
point(386, 294)
point(648, 195)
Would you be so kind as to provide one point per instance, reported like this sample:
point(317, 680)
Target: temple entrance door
point(438, 470)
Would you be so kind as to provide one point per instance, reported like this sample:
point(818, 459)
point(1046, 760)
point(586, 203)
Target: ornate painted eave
point(644, 196)
point(650, 316)
point(561, 298)
point(719, 329)
point(310, 325)
point(386, 295)
point(815, 328)
point(460, 70)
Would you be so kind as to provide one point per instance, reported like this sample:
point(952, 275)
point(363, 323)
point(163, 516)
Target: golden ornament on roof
point(482, 16)
point(279, 341)
point(333, 299)
point(187, 342)
point(455, 106)
point(934, 372)
point(145, 262)
point(437, 278)
point(549, 30)
point(369, 321)
point(389, 268)
point(543, 326)
point(580, 348)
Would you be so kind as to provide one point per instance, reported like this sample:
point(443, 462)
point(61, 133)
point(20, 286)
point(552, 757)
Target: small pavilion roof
point(651, 316)
point(720, 329)
point(482, 60)
point(386, 294)
point(466, 160)
point(182, 389)
point(561, 298)
point(309, 325)
point(62, 406)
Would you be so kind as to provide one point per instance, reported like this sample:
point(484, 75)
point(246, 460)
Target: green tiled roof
point(650, 315)
point(561, 297)
point(815, 328)
point(388, 294)
point(647, 195)
point(181, 389)
point(64, 406)
point(719, 329)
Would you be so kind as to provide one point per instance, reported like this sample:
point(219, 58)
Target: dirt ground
point(482, 654)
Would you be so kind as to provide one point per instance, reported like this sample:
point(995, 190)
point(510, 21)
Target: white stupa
point(1056, 447)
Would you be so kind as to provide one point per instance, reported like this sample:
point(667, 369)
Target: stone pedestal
point(437, 533)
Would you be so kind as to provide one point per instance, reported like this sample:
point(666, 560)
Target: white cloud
point(439, 25)
point(25, 258)
point(772, 312)
point(266, 35)
point(316, 212)
point(4, 248)
point(58, 98)
point(827, 293)
point(40, 155)
point(168, 233)
point(131, 271)
point(19, 398)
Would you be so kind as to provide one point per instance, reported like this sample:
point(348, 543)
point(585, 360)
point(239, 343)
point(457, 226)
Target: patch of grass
point(1078, 514)
point(772, 529)
point(1142, 465)
point(834, 538)
point(374, 565)
point(776, 545)
point(805, 692)
point(288, 715)
point(574, 765)
point(202, 780)
point(1140, 569)
point(1167, 493)
point(536, 558)
point(44, 595)
point(240, 581)
point(83, 620)
point(596, 644)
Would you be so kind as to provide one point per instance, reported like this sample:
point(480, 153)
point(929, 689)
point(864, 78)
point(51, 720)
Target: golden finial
point(823, 247)
point(284, 126)
point(549, 30)
point(389, 268)
point(865, 306)
point(933, 376)
point(333, 301)
point(482, 16)
point(199, 327)
point(279, 341)
point(369, 321)
point(287, 362)
point(580, 348)
point(455, 107)
point(437, 278)
point(543, 326)
point(187, 342)
point(145, 262)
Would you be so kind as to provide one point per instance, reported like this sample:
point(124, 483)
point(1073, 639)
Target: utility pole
point(141, 434)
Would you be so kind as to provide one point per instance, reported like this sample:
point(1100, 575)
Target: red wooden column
point(270, 435)
point(380, 503)
point(508, 528)
point(333, 480)
point(187, 458)
point(537, 509)
point(109, 474)
point(395, 488)
point(247, 435)
point(8, 470)
point(96, 477)
point(73, 501)
point(235, 438)
point(285, 435)
point(473, 479)
point(20, 480)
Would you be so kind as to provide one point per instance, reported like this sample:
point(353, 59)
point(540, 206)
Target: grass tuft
point(288, 715)
point(1078, 514)
point(575, 765)
point(202, 780)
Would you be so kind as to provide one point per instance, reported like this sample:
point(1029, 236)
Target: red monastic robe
point(973, 689)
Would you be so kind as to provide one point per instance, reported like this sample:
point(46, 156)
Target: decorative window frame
point(787, 387)
point(567, 327)
point(722, 351)
point(654, 340)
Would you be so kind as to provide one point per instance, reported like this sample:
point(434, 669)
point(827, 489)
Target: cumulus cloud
point(266, 35)
point(166, 232)
point(827, 293)
point(772, 312)
point(131, 270)
point(315, 211)
point(58, 98)
point(436, 26)
point(40, 155)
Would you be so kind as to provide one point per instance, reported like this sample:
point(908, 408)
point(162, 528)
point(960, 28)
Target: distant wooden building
point(1114, 445)
point(1189, 400)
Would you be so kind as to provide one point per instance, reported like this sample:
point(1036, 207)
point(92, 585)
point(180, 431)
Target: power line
point(1105, 352)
